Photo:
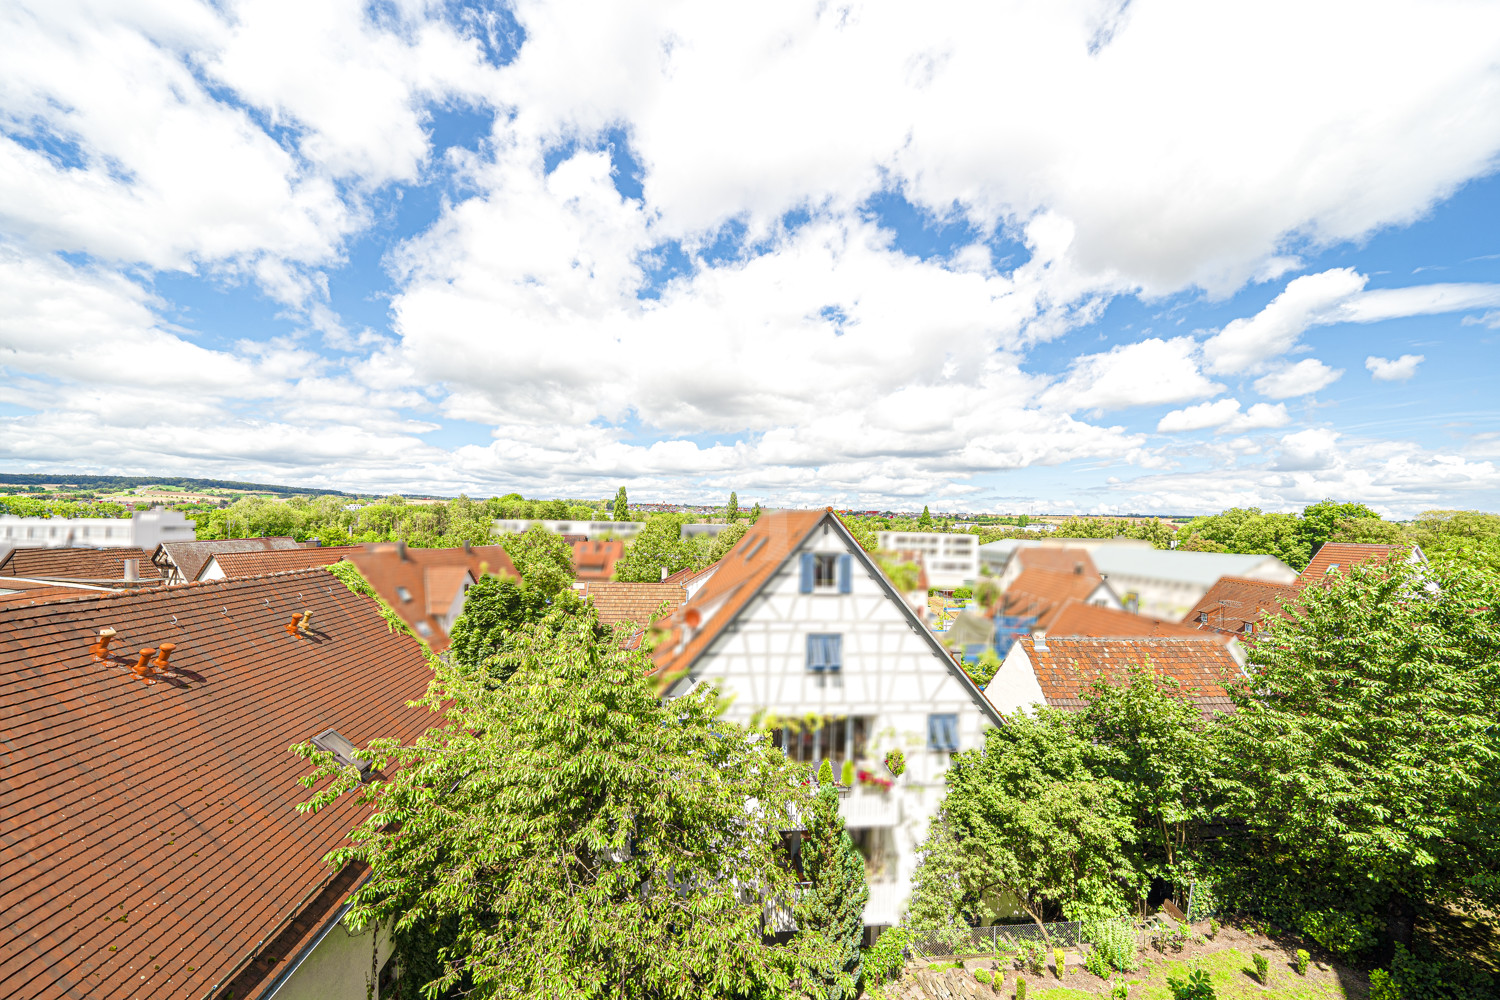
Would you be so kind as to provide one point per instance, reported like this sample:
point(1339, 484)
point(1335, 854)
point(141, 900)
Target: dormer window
point(403, 594)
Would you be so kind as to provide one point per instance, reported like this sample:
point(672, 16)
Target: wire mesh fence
point(1001, 937)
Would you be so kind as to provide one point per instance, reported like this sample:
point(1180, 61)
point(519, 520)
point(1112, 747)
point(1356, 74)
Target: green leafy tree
point(726, 541)
point(1028, 817)
point(1164, 757)
point(1467, 536)
point(831, 911)
point(660, 546)
point(495, 610)
point(732, 512)
point(1250, 531)
point(1364, 759)
point(576, 834)
point(544, 560)
point(755, 513)
point(924, 523)
point(622, 506)
point(1320, 521)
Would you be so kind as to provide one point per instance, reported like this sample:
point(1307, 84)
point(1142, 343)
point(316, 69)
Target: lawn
point(1231, 971)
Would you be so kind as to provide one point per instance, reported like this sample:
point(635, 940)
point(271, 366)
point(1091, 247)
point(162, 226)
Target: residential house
point(1038, 594)
point(149, 841)
point(127, 564)
point(181, 562)
point(798, 622)
point(996, 556)
point(1076, 618)
point(1167, 583)
point(1055, 672)
point(588, 529)
point(1341, 555)
point(1052, 558)
point(222, 565)
point(1238, 606)
point(636, 603)
point(951, 559)
point(145, 529)
point(426, 587)
point(20, 590)
point(595, 560)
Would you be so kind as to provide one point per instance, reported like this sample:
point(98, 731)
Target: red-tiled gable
point(237, 564)
point(632, 602)
point(1067, 667)
point(399, 574)
point(1342, 555)
point(76, 564)
point(1075, 618)
point(1041, 593)
point(181, 562)
point(754, 559)
point(149, 828)
point(1057, 560)
point(1236, 601)
point(596, 560)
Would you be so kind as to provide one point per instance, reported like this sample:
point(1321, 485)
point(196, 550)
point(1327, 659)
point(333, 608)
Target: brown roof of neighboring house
point(189, 557)
point(14, 590)
point(632, 602)
point(1042, 593)
point(236, 564)
point(421, 584)
point(1342, 555)
point(1075, 618)
point(77, 564)
point(1235, 601)
point(1069, 666)
point(149, 828)
point(596, 560)
point(1057, 560)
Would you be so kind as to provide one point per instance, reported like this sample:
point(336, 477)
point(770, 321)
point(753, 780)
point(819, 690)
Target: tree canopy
point(544, 560)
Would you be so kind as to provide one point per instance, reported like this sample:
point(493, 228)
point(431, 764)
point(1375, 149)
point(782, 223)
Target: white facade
point(1014, 684)
point(951, 559)
point(592, 529)
point(893, 676)
point(145, 530)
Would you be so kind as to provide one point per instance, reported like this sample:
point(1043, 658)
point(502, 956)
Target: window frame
point(819, 647)
point(940, 725)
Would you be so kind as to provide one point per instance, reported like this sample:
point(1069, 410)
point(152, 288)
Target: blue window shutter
point(807, 572)
point(835, 652)
point(933, 725)
point(951, 732)
point(846, 574)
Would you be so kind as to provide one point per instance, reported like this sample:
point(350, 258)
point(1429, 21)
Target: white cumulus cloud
point(1394, 370)
point(1300, 379)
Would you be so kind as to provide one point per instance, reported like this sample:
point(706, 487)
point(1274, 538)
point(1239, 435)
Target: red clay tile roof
point(1236, 600)
point(1344, 554)
point(1042, 593)
point(19, 590)
point(236, 564)
point(399, 574)
point(1067, 667)
point(77, 564)
point(632, 602)
point(1076, 618)
point(158, 819)
point(596, 560)
point(188, 557)
point(1057, 560)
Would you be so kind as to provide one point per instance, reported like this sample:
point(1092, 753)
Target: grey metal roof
point(1203, 568)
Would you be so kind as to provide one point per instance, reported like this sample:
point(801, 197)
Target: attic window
point(343, 751)
point(424, 628)
point(1331, 567)
point(403, 593)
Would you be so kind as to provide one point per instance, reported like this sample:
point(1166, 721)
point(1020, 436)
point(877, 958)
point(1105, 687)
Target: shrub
point(1020, 988)
point(883, 960)
point(847, 777)
point(1031, 956)
point(1302, 959)
point(1262, 967)
point(1119, 991)
point(1096, 963)
point(895, 762)
point(1381, 987)
point(1061, 960)
point(1422, 977)
point(1342, 933)
point(1115, 942)
point(1213, 928)
point(1195, 987)
point(983, 975)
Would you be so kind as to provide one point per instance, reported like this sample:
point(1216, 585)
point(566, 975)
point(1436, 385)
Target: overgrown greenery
point(544, 560)
point(496, 609)
point(831, 912)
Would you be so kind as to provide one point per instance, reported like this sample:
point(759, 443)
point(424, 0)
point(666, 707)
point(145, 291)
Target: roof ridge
point(124, 593)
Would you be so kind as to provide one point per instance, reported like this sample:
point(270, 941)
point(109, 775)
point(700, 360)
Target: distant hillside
point(103, 483)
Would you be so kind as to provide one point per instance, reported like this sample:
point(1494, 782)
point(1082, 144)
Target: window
point(343, 751)
point(1202, 617)
point(942, 732)
point(827, 571)
point(825, 652)
point(1248, 628)
point(403, 593)
point(424, 629)
point(831, 738)
point(877, 845)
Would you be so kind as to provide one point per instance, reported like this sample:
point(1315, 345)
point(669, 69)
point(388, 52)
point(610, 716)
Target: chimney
point(401, 551)
point(163, 654)
point(132, 570)
point(100, 649)
point(142, 669)
point(664, 572)
point(468, 549)
point(1039, 641)
point(1078, 569)
point(291, 626)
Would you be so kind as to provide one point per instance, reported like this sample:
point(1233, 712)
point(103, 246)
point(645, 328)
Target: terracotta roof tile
point(1236, 601)
point(183, 561)
point(1075, 618)
point(1041, 593)
point(1343, 555)
point(157, 819)
point(596, 560)
point(236, 564)
point(399, 573)
point(632, 602)
point(15, 590)
point(1067, 667)
point(77, 564)
point(1057, 560)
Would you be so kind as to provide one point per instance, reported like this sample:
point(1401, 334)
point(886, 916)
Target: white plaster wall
point(950, 558)
point(1014, 684)
point(339, 967)
point(890, 673)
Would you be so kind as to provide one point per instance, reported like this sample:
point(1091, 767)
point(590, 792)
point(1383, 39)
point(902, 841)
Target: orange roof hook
point(100, 649)
point(291, 626)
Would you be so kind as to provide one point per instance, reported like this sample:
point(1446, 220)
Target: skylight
point(343, 751)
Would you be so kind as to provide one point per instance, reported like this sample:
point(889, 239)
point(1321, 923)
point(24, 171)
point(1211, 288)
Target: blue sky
point(813, 254)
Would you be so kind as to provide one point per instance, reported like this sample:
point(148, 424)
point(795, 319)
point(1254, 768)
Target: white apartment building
point(951, 560)
point(145, 530)
point(589, 529)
